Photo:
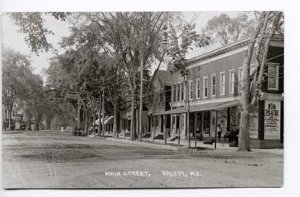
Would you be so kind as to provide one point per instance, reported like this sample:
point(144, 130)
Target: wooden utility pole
point(165, 128)
point(116, 106)
point(216, 128)
point(188, 115)
point(195, 128)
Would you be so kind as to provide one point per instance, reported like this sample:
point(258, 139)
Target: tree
point(136, 40)
point(227, 30)
point(13, 82)
point(21, 84)
point(32, 25)
point(268, 23)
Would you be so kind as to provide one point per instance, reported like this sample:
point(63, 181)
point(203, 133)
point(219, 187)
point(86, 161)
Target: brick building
point(213, 96)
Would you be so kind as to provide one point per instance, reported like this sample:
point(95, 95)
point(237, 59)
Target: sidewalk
point(160, 144)
point(172, 145)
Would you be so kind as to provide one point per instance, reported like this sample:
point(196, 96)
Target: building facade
point(125, 122)
point(211, 95)
point(21, 118)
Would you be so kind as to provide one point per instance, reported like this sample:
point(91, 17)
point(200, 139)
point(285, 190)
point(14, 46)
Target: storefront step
point(264, 144)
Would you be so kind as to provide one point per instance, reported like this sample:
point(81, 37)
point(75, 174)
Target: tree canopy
point(225, 29)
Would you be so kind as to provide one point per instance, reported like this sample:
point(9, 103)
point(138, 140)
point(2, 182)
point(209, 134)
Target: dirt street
point(59, 160)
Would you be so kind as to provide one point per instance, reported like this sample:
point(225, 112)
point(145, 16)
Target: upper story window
point(222, 83)
point(198, 87)
point(205, 87)
point(273, 76)
point(190, 89)
point(178, 92)
point(213, 85)
point(231, 81)
point(182, 91)
point(240, 79)
point(174, 93)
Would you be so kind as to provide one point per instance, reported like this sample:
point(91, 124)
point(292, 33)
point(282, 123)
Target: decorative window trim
point(231, 83)
point(182, 91)
point(174, 93)
point(198, 88)
point(205, 93)
point(178, 96)
point(277, 75)
point(213, 86)
point(190, 83)
point(222, 86)
point(240, 79)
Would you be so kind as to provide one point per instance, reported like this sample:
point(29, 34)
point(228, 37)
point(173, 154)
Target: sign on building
point(253, 124)
point(272, 120)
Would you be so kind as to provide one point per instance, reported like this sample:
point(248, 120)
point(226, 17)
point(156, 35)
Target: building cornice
point(218, 52)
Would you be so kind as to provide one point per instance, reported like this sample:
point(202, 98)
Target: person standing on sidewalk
point(219, 130)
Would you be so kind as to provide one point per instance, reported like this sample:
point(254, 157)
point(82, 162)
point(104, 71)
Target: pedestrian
point(219, 130)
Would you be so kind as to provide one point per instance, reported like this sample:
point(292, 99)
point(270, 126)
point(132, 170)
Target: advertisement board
point(272, 120)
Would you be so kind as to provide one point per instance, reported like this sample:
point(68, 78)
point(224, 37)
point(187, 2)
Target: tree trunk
point(265, 48)
point(244, 120)
point(133, 119)
point(93, 123)
point(99, 118)
point(36, 125)
point(78, 114)
point(103, 112)
point(48, 123)
point(86, 122)
point(141, 102)
point(29, 123)
point(115, 129)
point(9, 119)
point(118, 122)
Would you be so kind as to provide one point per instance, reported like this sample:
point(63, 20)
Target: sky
point(11, 38)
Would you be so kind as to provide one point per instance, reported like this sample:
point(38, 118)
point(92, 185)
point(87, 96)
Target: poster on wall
point(272, 120)
point(253, 124)
point(222, 119)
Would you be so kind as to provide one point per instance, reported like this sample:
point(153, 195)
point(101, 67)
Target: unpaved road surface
point(56, 160)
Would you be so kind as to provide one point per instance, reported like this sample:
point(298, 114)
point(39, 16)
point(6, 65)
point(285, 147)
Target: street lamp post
point(184, 73)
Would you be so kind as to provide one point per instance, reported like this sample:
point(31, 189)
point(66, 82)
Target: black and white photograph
point(142, 99)
point(127, 98)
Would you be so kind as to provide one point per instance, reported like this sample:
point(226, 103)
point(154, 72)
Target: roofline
point(230, 47)
point(219, 51)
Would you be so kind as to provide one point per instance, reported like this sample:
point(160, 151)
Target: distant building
point(21, 118)
point(160, 103)
point(126, 118)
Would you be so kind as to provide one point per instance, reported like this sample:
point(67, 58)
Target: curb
point(148, 144)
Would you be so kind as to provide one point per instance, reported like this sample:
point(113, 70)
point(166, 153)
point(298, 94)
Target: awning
point(202, 107)
point(214, 106)
point(108, 119)
point(173, 111)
